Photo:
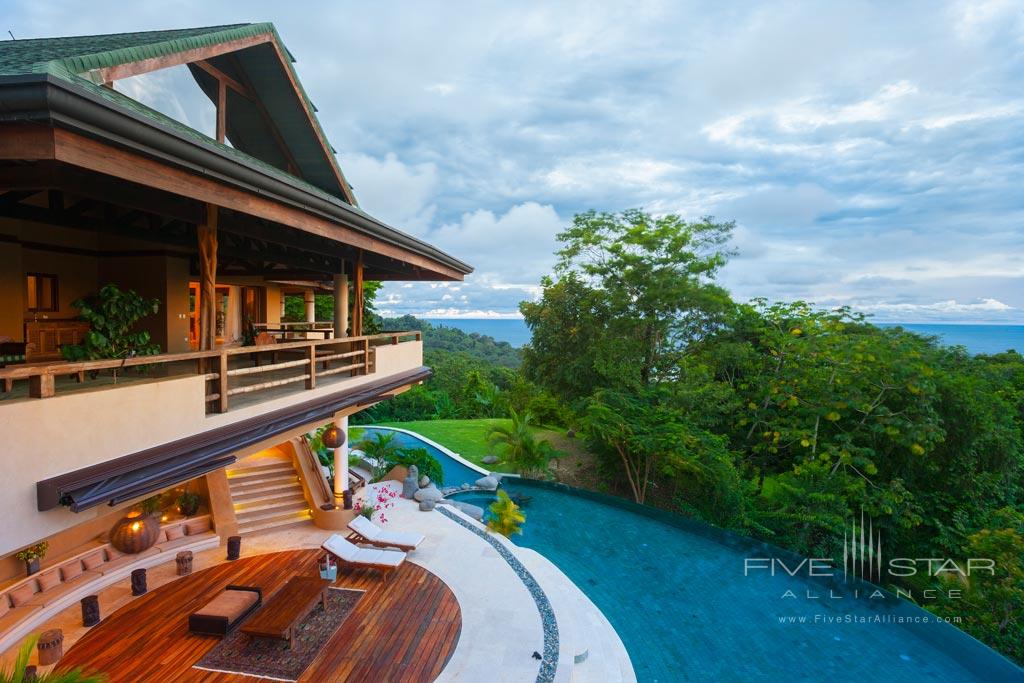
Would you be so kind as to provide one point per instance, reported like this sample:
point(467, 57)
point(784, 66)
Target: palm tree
point(381, 451)
point(17, 674)
point(506, 517)
point(523, 451)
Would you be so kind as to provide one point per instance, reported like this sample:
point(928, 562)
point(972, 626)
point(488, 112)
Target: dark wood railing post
point(311, 380)
point(366, 355)
point(222, 383)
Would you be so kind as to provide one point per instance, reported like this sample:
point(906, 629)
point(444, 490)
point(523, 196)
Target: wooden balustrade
point(311, 359)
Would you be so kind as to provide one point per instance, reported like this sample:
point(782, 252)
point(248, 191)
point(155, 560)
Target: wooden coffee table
point(281, 614)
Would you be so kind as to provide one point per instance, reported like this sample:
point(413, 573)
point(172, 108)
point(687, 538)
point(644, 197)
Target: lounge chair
point(347, 553)
point(365, 531)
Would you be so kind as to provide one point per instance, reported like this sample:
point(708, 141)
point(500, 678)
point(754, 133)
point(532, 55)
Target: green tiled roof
point(68, 57)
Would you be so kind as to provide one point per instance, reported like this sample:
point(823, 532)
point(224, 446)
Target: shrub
point(424, 461)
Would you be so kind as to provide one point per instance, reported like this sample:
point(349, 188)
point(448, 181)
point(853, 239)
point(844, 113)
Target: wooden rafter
point(143, 66)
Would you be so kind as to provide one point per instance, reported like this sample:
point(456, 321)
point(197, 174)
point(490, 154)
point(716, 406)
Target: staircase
point(267, 495)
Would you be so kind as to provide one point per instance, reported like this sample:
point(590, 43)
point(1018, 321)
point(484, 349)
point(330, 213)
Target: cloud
point(870, 152)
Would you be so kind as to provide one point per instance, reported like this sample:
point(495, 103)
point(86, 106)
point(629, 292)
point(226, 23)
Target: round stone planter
point(135, 532)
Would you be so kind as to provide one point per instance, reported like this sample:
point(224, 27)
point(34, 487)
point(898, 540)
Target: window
point(42, 292)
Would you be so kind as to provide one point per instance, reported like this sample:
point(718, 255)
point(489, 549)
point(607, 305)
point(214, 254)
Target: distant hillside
point(481, 347)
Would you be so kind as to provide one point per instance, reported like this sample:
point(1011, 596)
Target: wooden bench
point(226, 611)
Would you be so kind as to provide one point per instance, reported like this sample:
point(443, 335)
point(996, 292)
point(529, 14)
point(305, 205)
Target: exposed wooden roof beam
point(115, 73)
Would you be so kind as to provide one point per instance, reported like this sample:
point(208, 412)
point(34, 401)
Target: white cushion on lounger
point(371, 531)
point(338, 546)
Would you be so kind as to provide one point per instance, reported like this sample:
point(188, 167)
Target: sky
point(871, 153)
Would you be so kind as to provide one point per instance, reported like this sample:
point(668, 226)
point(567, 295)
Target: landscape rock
point(427, 505)
point(490, 460)
point(410, 484)
point(430, 493)
point(424, 481)
point(465, 487)
point(473, 511)
point(488, 483)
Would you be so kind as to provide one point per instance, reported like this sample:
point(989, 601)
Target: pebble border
point(549, 663)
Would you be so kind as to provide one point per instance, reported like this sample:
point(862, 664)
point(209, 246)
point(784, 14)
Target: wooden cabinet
point(45, 337)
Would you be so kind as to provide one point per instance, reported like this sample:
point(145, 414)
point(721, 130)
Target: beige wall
point(47, 437)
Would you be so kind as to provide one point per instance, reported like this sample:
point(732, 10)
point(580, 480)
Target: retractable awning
point(154, 469)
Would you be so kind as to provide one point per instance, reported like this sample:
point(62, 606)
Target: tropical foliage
point(113, 316)
point(521, 449)
point(506, 518)
point(17, 674)
point(780, 420)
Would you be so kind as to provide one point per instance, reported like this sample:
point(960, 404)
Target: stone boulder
point(427, 505)
point(430, 493)
point(465, 486)
point(473, 511)
point(411, 484)
point(490, 460)
point(489, 483)
point(424, 481)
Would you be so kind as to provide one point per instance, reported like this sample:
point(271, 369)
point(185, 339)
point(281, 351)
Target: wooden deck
point(402, 630)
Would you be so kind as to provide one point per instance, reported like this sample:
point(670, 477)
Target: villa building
point(95, 189)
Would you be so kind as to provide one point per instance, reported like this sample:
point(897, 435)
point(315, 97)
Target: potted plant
point(31, 556)
point(188, 502)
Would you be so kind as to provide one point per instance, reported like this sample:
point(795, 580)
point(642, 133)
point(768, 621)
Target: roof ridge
point(211, 29)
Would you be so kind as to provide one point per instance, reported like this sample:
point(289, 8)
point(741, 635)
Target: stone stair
point(267, 495)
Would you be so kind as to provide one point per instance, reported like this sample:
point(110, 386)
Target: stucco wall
point(47, 437)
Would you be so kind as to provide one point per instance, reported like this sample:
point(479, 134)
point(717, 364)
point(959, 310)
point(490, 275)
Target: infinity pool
point(676, 594)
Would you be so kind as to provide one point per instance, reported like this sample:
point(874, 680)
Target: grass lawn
point(468, 438)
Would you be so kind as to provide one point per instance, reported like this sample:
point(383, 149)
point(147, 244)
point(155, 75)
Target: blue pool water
point(685, 611)
point(455, 473)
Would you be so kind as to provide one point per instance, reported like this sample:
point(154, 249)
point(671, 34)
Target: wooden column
point(310, 298)
point(222, 110)
point(357, 298)
point(208, 279)
point(341, 305)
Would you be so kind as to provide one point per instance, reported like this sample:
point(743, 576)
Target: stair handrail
point(313, 462)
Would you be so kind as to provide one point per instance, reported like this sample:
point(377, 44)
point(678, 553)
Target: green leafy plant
point(506, 517)
point(112, 316)
point(424, 461)
point(188, 502)
point(33, 552)
point(150, 505)
point(249, 332)
point(522, 449)
point(381, 450)
point(16, 674)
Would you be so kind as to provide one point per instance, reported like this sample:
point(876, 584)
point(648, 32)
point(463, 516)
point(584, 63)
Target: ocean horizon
point(976, 338)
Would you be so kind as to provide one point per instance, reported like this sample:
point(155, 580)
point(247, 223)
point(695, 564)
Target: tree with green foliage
point(506, 518)
point(113, 316)
point(633, 291)
point(521, 449)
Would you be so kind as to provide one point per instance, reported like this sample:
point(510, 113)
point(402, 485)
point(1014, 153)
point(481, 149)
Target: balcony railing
point(230, 371)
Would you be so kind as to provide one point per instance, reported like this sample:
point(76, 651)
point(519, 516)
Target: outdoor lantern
point(333, 436)
point(135, 532)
